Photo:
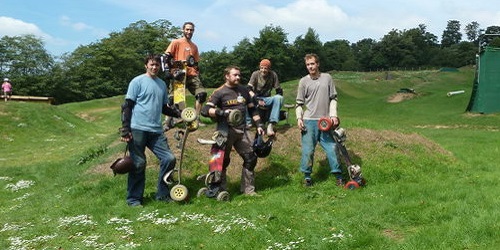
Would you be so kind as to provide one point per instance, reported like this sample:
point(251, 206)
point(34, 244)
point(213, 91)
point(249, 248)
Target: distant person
point(261, 83)
point(180, 49)
point(317, 98)
point(233, 96)
point(145, 102)
point(6, 89)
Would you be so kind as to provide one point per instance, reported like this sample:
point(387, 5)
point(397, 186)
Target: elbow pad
point(126, 116)
point(299, 111)
point(250, 87)
point(204, 111)
point(333, 107)
point(169, 111)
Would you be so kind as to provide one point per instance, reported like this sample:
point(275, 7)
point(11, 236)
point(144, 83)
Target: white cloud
point(83, 27)
point(14, 27)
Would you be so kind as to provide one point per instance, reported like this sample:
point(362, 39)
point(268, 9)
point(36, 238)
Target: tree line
point(104, 68)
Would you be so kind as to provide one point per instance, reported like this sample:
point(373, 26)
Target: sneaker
point(308, 182)
point(340, 182)
point(135, 204)
point(165, 199)
point(253, 194)
point(270, 130)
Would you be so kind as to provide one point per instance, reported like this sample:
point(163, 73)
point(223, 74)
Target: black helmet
point(122, 165)
point(262, 148)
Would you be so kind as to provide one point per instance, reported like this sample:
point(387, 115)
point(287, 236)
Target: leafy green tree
point(472, 31)
point(309, 43)
point(363, 52)
point(245, 56)
point(338, 56)
point(25, 61)
point(212, 65)
point(273, 44)
point(398, 49)
point(451, 35)
point(105, 68)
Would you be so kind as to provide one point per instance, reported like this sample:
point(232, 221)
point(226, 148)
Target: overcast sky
point(65, 24)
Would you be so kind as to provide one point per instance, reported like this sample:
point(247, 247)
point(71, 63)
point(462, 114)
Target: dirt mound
point(399, 97)
point(361, 142)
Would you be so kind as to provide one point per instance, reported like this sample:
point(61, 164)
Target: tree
point(25, 60)
point(451, 35)
point(338, 56)
point(272, 44)
point(212, 65)
point(309, 43)
point(105, 68)
point(472, 31)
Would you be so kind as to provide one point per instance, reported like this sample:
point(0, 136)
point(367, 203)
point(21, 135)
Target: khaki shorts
point(194, 85)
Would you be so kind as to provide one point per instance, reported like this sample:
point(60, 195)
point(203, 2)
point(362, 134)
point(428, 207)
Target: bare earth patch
point(360, 142)
point(399, 97)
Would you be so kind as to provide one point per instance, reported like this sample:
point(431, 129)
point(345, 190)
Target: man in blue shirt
point(145, 102)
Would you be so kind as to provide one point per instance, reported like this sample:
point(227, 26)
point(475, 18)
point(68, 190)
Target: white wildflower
point(22, 184)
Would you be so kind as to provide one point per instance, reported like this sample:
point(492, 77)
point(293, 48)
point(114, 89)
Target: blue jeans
point(273, 103)
point(157, 143)
point(309, 139)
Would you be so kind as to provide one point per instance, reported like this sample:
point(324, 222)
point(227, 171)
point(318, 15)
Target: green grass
point(432, 173)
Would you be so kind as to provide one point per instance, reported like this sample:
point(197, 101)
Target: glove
point(221, 113)
point(125, 131)
point(169, 111)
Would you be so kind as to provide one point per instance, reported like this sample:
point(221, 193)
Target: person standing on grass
point(233, 96)
point(317, 98)
point(6, 89)
point(145, 102)
point(261, 83)
point(180, 49)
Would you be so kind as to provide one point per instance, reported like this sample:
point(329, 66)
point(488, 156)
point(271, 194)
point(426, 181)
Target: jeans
point(274, 104)
point(157, 143)
point(309, 139)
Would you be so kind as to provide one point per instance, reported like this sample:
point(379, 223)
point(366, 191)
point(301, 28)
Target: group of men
point(147, 99)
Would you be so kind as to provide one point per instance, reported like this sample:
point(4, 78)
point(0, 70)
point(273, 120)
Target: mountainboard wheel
point(351, 185)
point(223, 196)
point(179, 192)
point(188, 114)
point(190, 61)
point(325, 124)
point(202, 192)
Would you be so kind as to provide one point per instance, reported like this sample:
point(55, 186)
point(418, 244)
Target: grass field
point(431, 167)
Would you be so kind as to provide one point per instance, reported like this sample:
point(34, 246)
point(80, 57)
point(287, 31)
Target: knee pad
point(249, 161)
point(201, 97)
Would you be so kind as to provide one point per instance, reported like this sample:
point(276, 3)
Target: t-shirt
point(149, 95)
point(226, 97)
point(315, 95)
point(180, 49)
point(7, 87)
point(262, 86)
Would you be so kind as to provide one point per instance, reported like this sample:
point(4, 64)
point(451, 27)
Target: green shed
point(485, 97)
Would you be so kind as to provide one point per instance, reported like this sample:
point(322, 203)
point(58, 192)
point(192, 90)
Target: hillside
point(431, 170)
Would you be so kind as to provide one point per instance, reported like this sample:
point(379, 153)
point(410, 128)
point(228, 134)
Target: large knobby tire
point(325, 124)
point(202, 192)
point(189, 114)
point(223, 196)
point(179, 192)
point(351, 185)
point(190, 61)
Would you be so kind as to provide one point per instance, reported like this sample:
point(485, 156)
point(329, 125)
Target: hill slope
point(431, 171)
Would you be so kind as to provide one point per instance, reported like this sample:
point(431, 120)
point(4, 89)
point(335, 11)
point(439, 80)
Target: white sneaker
point(270, 130)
